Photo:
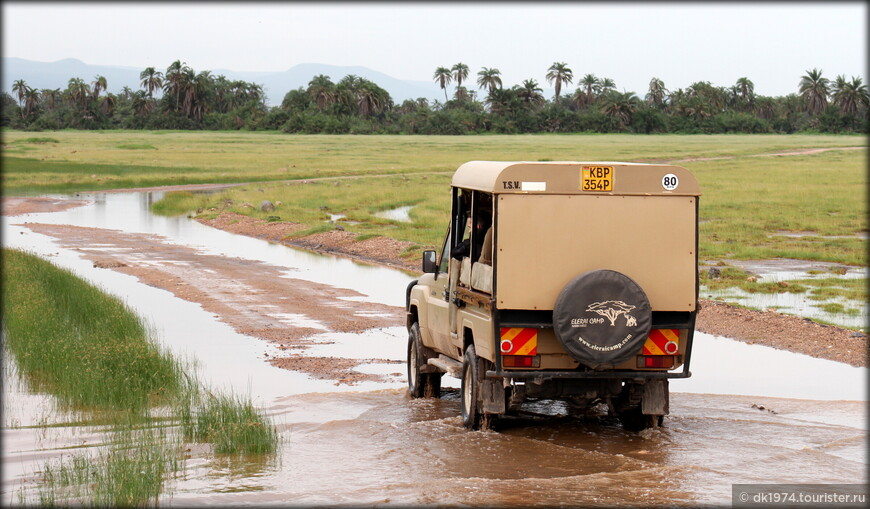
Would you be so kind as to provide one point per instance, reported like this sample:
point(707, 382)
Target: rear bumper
point(543, 375)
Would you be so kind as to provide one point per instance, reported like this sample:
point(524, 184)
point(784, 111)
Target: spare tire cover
point(602, 318)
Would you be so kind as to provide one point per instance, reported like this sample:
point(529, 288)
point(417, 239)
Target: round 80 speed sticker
point(670, 182)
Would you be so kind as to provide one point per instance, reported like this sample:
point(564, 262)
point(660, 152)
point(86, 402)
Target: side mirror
point(429, 265)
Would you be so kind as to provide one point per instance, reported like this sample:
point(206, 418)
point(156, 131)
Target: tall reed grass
point(94, 354)
point(84, 346)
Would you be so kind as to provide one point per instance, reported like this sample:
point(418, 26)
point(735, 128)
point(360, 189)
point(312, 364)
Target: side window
point(445, 255)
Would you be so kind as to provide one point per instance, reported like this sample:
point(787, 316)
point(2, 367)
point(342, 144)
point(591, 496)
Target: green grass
point(190, 156)
point(130, 473)
point(86, 347)
point(93, 353)
point(745, 202)
point(137, 146)
point(39, 140)
point(230, 423)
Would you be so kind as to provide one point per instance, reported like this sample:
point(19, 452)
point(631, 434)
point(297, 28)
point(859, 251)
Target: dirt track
point(255, 298)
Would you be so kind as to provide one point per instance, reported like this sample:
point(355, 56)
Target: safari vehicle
point(560, 280)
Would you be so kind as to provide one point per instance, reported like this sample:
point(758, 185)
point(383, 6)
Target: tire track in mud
point(255, 298)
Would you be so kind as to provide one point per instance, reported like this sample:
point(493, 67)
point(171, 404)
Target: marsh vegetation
point(95, 355)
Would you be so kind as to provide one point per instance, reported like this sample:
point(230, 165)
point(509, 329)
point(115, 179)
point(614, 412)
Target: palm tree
point(21, 87)
point(814, 90)
point(77, 90)
point(151, 79)
point(530, 93)
point(606, 85)
point(31, 101)
point(99, 84)
point(142, 104)
point(107, 104)
point(372, 99)
point(557, 74)
point(489, 78)
point(620, 107)
point(746, 88)
point(50, 97)
point(460, 73)
point(849, 96)
point(322, 91)
point(657, 93)
point(173, 84)
point(591, 83)
point(443, 76)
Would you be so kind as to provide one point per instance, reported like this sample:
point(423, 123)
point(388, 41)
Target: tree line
point(355, 105)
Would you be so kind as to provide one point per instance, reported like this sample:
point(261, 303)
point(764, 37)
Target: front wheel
point(420, 385)
point(472, 417)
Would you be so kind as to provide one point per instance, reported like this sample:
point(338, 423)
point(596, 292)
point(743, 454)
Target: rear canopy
point(572, 177)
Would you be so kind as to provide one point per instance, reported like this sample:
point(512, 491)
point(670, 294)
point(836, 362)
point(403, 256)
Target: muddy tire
point(472, 417)
point(634, 420)
point(420, 385)
point(602, 318)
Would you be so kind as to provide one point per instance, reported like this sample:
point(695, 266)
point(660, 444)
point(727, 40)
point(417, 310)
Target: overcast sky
point(772, 44)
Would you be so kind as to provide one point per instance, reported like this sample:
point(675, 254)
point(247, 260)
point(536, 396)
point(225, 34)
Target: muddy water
point(370, 444)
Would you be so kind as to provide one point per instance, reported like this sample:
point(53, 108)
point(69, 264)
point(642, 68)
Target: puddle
point(725, 366)
point(799, 304)
point(798, 235)
point(401, 214)
point(788, 269)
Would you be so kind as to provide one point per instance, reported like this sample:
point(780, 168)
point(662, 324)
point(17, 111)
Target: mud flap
point(655, 397)
point(492, 397)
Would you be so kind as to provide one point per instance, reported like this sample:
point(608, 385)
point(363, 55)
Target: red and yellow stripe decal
point(519, 341)
point(662, 342)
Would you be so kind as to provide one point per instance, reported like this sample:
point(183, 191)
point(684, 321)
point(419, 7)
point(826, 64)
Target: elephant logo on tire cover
point(611, 309)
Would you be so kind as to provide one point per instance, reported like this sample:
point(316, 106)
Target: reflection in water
point(401, 214)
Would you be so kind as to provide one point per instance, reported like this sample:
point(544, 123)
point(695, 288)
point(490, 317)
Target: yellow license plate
point(597, 178)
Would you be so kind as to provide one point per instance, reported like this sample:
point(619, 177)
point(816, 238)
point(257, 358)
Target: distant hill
point(276, 84)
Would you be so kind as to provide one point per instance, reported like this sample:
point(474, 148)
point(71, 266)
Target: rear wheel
point(630, 410)
point(472, 417)
point(635, 420)
point(420, 385)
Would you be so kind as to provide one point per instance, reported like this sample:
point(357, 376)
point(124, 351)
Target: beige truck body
point(550, 222)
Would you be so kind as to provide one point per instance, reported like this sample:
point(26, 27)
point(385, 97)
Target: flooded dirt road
point(351, 435)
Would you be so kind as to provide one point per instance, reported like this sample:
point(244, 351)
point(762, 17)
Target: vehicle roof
point(563, 177)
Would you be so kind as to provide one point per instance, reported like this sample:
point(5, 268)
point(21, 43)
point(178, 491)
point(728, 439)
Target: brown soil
point(13, 206)
point(784, 332)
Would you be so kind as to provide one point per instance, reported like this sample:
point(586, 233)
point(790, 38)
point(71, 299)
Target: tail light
point(521, 361)
point(655, 361)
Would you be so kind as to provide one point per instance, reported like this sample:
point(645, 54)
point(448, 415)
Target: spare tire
point(602, 318)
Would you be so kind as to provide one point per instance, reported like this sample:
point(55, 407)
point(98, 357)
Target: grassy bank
point(67, 161)
point(747, 205)
point(76, 342)
point(97, 357)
